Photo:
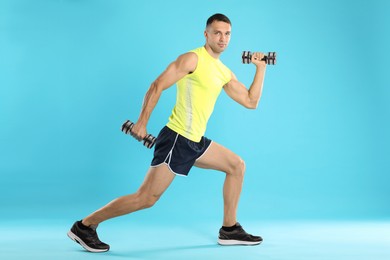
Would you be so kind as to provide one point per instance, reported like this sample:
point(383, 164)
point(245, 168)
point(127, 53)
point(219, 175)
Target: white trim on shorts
point(169, 161)
point(170, 153)
point(211, 141)
point(169, 167)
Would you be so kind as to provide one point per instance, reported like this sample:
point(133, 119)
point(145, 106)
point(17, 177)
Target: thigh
point(218, 157)
point(157, 180)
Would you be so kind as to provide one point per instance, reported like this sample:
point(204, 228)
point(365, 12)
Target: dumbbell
point(270, 58)
point(149, 139)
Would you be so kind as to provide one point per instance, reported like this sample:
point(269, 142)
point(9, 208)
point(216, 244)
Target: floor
point(46, 239)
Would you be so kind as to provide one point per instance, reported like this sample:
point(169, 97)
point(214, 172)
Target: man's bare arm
point(249, 98)
point(184, 65)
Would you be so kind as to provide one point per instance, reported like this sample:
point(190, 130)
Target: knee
point(237, 167)
point(150, 201)
point(147, 200)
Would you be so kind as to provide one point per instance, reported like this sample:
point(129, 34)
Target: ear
point(205, 34)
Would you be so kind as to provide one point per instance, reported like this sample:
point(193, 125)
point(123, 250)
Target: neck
point(213, 54)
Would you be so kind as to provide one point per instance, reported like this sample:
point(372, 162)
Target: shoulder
point(187, 61)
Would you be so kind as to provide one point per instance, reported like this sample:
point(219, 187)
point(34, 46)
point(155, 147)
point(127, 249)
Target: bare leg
point(156, 182)
point(220, 158)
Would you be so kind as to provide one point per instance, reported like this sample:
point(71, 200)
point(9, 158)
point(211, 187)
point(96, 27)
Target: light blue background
point(72, 71)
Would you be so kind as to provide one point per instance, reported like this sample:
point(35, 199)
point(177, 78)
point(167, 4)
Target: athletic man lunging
point(200, 76)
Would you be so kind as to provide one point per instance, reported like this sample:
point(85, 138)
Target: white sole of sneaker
point(75, 238)
point(232, 242)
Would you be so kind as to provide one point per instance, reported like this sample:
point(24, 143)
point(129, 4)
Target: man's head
point(217, 33)
point(219, 18)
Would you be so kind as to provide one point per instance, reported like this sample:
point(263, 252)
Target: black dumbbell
point(149, 139)
point(270, 58)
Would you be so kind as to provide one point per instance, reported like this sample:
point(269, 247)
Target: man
point(200, 76)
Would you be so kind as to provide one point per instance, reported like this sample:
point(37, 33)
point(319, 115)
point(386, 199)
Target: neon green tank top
point(196, 96)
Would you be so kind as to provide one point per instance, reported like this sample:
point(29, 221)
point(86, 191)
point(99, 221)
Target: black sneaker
point(237, 237)
point(87, 238)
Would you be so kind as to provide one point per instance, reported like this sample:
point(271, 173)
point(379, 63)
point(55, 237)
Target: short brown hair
point(219, 18)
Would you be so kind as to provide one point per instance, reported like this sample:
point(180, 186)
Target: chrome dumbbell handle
point(270, 58)
point(149, 139)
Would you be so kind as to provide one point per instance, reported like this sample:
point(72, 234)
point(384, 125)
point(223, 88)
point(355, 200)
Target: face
point(218, 36)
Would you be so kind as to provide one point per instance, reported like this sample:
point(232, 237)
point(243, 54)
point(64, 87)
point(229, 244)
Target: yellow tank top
point(196, 96)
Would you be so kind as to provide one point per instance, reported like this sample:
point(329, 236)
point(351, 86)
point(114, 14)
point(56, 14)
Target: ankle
point(87, 223)
point(84, 223)
point(229, 227)
point(229, 223)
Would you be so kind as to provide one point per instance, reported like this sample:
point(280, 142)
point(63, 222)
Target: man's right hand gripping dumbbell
point(149, 139)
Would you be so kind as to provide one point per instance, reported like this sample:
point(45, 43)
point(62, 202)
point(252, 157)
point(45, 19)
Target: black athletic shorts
point(178, 152)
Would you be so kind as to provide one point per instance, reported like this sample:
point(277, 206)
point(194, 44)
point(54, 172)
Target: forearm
point(150, 100)
point(256, 87)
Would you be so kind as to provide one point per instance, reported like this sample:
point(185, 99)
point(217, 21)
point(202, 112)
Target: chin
point(224, 48)
point(220, 49)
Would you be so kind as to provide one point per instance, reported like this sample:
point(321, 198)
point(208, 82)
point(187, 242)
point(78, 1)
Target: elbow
point(252, 101)
point(156, 87)
point(252, 104)
point(252, 107)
